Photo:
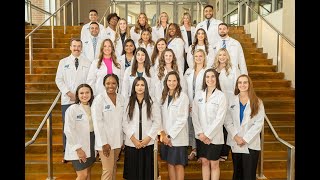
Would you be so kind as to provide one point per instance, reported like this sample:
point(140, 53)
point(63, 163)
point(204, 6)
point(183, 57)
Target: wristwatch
point(168, 136)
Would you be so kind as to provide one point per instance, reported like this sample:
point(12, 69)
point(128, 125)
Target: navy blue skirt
point(208, 151)
point(81, 166)
point(175, 155)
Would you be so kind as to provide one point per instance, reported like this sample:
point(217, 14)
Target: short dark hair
point(93, 10)
point(111, 15)
point(225, 24)
point(208, 5)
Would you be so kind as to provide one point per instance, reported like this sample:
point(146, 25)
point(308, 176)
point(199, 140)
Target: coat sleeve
point(156, 120)
point(60, 79)
point(127, 129)
point(181, 118)
point(70, 129)
point(190, 57)
point(242, 61)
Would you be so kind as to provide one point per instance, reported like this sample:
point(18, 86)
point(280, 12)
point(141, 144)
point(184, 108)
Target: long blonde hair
point(162, 63)
point(137, 27)
point(118, 31)
point(159, 19)
point(216, 62)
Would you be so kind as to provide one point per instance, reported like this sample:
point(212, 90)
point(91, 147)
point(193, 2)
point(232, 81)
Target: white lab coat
point(107, 120)
point(158, 32)
point(228, 83)
point(122, 61)
point(158, 84)
point(88, 50)
point(119, 46)
point(212, 32)
point(175, 119)
point(96, 75)
point(150, 126)
point(135, 36)
point(128, 81)
point(209, 56)
point(77, 131)
point(110, 34)
point(188, 76)
point(85, 32)
point(249, 129)
point(68, 78)
point(149, 48)
point(185, 36)
point(236, 53)
point(208, 117)
point(177, 46)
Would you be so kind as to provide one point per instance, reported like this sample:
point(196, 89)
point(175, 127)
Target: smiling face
point(223, 30)
point(141, 57)
point(168, 57)
point(243, 84)
point(94, 29)
point(84, 95)
point(76, 48)
point(129, 47)
point(211, 79)
point(142, 19)
point(140, 88)
point(122, 25)
point(161, 45)
point(93, 16)
point(201, 35)
point(222, 57)
point(172, 30)
point(107, 48)
point(145, 36)
point(172, 82)
point(199, 58)
point(111, 85)
point(208, 12)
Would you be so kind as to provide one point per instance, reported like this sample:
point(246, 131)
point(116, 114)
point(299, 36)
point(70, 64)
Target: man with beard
point(210, 25)
point(233, 47)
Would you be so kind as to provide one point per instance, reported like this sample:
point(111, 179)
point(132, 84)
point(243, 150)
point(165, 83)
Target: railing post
point(79, 12)
point(49, 148)
point(155, 159)
point(247, 14)
point(64, 19)
point(261, 158)
point(279, 54)
point(30, 54)
point(72, 17)
point(52, 32)
point(291, 164)
point(239, 13)
point(29, 13)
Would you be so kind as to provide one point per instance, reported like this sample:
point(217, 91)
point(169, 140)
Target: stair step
point(281, 116)
point(55, 31)
point(271, 83)
point(46, 56)
point(29, 27)
point(275, 92)
point(265, 75)
point(48, 45)
point(56, 35)
point(41, 86)
point(43, 70)
point(34, 78)
point(36, 118)
point(267, 68)
point(48, 50)
point(256, 55)
point(41, 106)
point(39, 96)
point(257, 61)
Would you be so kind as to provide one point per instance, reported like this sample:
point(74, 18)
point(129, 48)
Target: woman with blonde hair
point(122, 33)
point(159, 31)
point(141, 24)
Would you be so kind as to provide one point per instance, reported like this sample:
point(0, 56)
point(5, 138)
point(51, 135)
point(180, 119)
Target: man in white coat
point(72, 71)
point(93, 17)
point(210, 25)
point(92, 43)
point(234, 48)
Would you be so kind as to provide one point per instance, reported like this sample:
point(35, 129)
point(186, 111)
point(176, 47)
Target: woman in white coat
point(106, 64)
point(194, 80)
point(122, 33)
point(228, 75)
point(160, 46)
point(174, 132)
point(141, 123)
point(140, 68)
point(159, 31)
point(107, 110)
point(176, 43)
point(78, 128)
point(127, 54)
point(168, 63)
point(146, 42)
point(208, 113)
point(141, 24)
point(244, 123)
point(200, 42)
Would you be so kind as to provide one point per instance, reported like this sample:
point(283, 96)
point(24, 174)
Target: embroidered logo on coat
point(79, 116)
point(107, 107)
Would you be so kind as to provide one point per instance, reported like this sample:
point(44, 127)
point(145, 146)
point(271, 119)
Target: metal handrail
point(47, 118)
point(291, 153)
point(275, 29)
point(38, 8)
point(52, 32)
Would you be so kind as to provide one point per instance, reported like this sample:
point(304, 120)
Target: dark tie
point(208, 24)
point(94, 42)
point(223, 44)
point(76, 63)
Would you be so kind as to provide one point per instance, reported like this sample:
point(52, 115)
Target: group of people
point(123, 88)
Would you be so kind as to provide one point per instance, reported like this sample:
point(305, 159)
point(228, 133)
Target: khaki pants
point(109, 164)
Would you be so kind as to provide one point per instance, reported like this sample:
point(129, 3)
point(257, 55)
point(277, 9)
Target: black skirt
point(175, 155)
point(138, 163)
point(208, 151)
point(81, 166)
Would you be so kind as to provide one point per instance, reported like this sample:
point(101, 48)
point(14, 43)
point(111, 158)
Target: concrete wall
point(37, 17)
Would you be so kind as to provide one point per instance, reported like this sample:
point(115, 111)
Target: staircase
point(41, 90)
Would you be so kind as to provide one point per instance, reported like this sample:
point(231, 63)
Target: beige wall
point(37, 17)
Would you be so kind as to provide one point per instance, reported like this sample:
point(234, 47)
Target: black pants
point(245, 165)
point(225, 148)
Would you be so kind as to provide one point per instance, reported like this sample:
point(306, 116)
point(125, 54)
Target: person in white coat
point(146, 42)
point(194, 80)
point(227, 77)
point(140, 68)
point(107, 63)
point(244, 123)
point(187, 31)
point(200, 42)
point(167, 63)
point(112, 20)
point(93, 17)
point(107, 110)
point(160, 46)
point(208, 113)
point(92, 43)
point(80, 146)
point(210, 25)
point(141, 24)
point(71, 72)
point(122, 33)
point(159, 31)
point(234, 48)
point(141, 123)
point(176, 43)
point(127, 54)
point(174, 133)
